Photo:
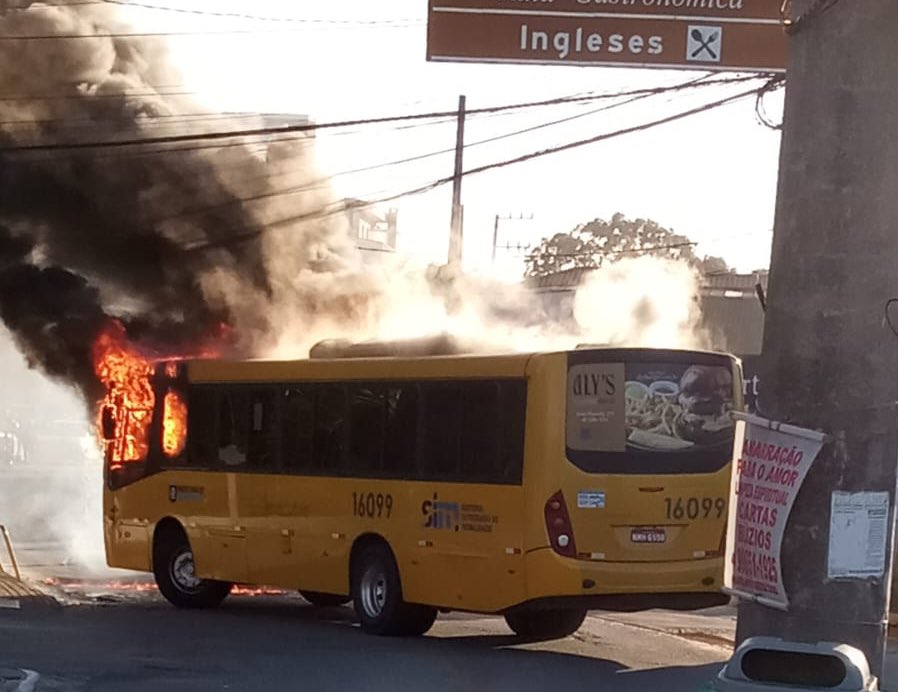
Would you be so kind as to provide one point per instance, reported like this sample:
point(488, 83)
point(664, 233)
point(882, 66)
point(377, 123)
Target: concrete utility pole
point(829, 362)
point(456, 230)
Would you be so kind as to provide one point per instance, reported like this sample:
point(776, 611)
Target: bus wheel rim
point(183, 572)
point(373, 591)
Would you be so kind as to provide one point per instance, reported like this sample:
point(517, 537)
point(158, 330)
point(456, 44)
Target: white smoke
point(51, 478)
point(646, 301)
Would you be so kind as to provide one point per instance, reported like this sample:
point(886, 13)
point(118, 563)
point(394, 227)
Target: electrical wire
point(181, 33)
point(324, 213)
point(264, 131)
point(761, 112)
point(888, 315)
point(322, 182)
point(256, 17)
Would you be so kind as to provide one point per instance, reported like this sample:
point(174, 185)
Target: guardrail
point(10, 552)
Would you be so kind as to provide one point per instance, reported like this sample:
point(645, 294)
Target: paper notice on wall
point(858, 532)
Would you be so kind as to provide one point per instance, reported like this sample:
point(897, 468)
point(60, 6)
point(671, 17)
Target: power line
point(255, 17)
point(326, 213)
point(175, 90)
point(230, 134)
point(184, 33)
point(321, 182)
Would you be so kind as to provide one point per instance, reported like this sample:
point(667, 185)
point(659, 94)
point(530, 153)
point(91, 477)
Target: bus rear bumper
point(627, 603)
point(553, 581)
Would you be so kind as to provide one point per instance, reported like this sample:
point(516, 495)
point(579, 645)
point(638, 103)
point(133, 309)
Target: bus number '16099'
point(372, 505)
point(695, 507)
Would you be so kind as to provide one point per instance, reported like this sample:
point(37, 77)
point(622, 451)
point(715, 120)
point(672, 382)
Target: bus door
point(649, 438)
point(472, 531)
point(218, 437)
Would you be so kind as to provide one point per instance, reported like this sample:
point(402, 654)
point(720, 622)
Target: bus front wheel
point(545, 624)
point(175, 573)
point(377, 596)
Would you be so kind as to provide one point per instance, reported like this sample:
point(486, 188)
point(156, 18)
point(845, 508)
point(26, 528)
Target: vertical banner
point(770, 468)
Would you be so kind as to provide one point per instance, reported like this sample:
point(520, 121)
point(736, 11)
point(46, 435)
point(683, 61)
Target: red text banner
point(772, 461)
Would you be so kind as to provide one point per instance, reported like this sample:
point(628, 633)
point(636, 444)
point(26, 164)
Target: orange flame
point(174, 424)
point(126, 376)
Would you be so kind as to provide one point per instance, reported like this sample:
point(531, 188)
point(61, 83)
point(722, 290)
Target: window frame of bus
point(660, 462)
point(509, 436)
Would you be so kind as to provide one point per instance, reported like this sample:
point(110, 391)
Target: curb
point(21, 680)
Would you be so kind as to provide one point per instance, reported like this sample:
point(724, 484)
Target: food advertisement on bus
point(664, 407)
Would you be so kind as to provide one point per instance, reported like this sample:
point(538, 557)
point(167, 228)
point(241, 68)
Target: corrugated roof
point(736, 324)
point(734, 282)
point(569, 278)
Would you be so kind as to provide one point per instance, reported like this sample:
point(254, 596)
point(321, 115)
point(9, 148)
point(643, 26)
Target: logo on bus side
point(181, 493)
point(455, 516)
point(441, 515)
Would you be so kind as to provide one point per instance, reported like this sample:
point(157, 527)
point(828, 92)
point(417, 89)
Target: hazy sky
point(711, 177)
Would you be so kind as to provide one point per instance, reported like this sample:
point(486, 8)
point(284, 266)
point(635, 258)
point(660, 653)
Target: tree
point(598, 241)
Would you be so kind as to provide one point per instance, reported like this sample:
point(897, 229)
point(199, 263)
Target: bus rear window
point(638, 413)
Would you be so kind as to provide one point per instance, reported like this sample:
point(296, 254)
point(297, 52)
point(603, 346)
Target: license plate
point(648, 536)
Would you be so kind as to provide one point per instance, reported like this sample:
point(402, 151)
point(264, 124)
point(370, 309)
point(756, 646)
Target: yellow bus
point(536, 486)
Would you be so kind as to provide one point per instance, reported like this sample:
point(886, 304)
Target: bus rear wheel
point(377, 596)
point(545, 624)
point(175, 573)
point(324, 600)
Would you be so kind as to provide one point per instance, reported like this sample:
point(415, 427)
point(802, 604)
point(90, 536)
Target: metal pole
point(456, 231)
point(495, 237)
point(12, 553)
point(829, 361)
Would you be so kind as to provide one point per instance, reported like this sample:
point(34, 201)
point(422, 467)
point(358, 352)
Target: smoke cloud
point(145, 236)
point(142, 234)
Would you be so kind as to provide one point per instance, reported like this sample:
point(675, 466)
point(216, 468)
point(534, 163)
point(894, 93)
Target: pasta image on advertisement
point(678, 407)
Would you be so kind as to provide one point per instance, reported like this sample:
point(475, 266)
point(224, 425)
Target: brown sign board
point(735, 35)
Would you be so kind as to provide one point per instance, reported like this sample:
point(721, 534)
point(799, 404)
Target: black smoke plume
point(92, 235)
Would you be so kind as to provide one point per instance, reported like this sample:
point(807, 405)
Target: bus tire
point(545, 624)
point(173, 568)
point(377, 596)
point(324, 600)
point(418, 619)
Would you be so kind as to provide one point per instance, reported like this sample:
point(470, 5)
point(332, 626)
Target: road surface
point(115, 633)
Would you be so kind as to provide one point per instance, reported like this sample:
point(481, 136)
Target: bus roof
point(430, 367)
point(387, 360)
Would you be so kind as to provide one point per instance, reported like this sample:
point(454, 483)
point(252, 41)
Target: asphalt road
point(122, 641)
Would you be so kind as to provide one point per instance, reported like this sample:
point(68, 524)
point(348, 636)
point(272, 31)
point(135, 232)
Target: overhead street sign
point(735, 35)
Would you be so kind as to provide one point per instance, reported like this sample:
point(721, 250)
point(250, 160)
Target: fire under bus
point(413, 479)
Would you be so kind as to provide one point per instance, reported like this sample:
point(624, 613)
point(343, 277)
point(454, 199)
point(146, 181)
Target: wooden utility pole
point(829, 361)
point(456, 230)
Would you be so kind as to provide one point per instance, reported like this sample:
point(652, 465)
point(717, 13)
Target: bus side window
point(260, 447)
point(441, 428)
point(233, 427)
point(401, 433)
point(330, 428)
point(298, 405)
point(480, 432)
point(202, 427)
point(366, 430)
point(513, 411)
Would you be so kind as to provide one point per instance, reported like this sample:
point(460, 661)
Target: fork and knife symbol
point(706, 43)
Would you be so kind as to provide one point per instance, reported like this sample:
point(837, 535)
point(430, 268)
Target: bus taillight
point(558, 525)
